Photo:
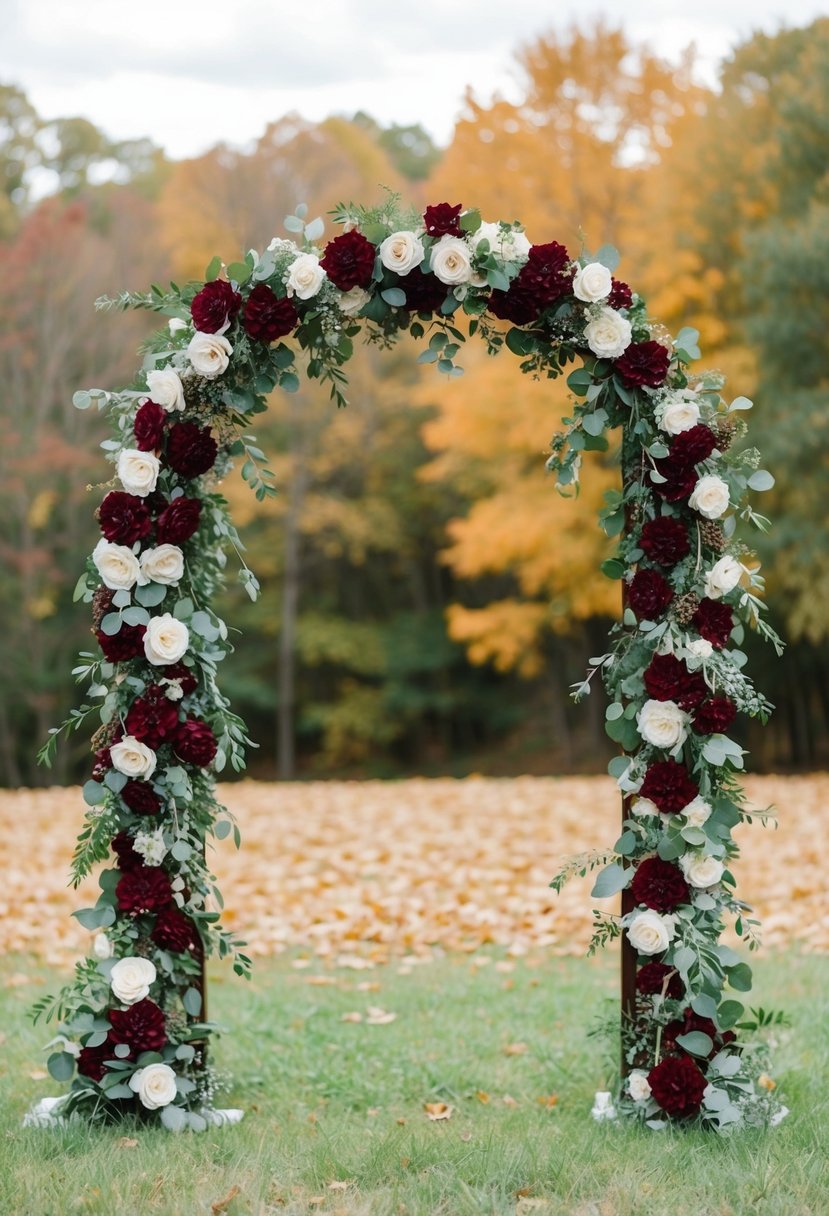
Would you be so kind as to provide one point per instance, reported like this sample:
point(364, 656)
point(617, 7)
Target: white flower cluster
point(150, 846)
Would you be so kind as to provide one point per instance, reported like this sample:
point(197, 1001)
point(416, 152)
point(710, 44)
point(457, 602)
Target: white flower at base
point(644, 806)
point(607, 333)
point(710, 496)
point(451, 261)
point(592, 283)
point(165, 389)
point(700, 648)
point(509, 245)
point(401, 252)
point(701, 870)
point(638, 1086)
point(723, 577)
point(138, 471)
point(650, 933)
point(102, 946)
point(117, 565)
point(163, 564)
point(166, 640)
point(151, 846)
point(305, 276)
point(678, 413)
point(697, 812)
point(132, 757)
point(603, 1107)
point(130, 979)
point(155, 1085)
point(663, 724)
point(209, 354)
point(350, 302)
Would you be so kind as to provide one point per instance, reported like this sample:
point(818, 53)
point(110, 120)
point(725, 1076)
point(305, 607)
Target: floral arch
point(134, 1024)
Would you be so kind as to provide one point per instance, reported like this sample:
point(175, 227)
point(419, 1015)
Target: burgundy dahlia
point(141, 798)
point(665, 541)
point(191, 449)
point(128, 859)
point(126, 644)
point(679, 482)
point(141, 1026)
point(677, 1085)
point(178, 521)
point(650, 981)
point(143, 890)
point(691, 447)
point(424, 292)
point(266, 317)
point(669, 785)
point(547, 273)
point(515, 305)
point(124, 518)
point(91, 1060)
point(668, 679)
point(620, 296)
point(216, 304)
point(175, 931)
point(714, 716)
point(195, 742)
point(659, 885)
point(148, 426)
point(349, 260)
point(442, 219)
point(644, 363)
point(101, 763)
point(648, 594)
point(152, 718)
point(714, 622)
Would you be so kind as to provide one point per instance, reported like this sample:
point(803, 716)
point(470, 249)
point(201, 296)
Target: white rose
point(165, 389)
point(638, 1086)
point(451, 261)
point(697, 812)
point(663, 724)
point(701, 870)
point(607, 333)
point(710, 496)
point(163, 564)
point(678, 412)
point(603, 1108)
point(166, 640)
point(209, 354)
point(650, 933)
point(701, 648)
point(592, 283)
point(350, 302)
point(509, 244)
point(132, 757)
point(155, 1085)
point(130, 979)
point(305, 276)
point(723, 577)
point(138, 471)
point(102, 946)
point(151, 846)
point(401, 252)
point(644, 806)
point(117, 565)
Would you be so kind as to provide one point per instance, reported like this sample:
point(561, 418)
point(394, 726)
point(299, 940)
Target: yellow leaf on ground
point(438, 1110)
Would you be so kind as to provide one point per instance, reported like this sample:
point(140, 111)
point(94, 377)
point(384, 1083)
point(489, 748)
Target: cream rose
point(138, 471)
point(592, 283)
point(305, 276)
point(701, 870)
point(165, 389)
point(607, 333)
point(509, 244)
point(644, 806)
point(678, 412)
point(697, 812)
point(350, 302)
point(166, 640)
point(451, 260)
point(102, 946)
point(723, 577)
point(638, 1086)
point(700, 648)
point(117, 565)
point(710, 496)
point(130, 979)
point(663, 724)
point(401, 252)
point(132, 757)
point(155, 1085)
point(163, 564)
point(650, 933)
point(209, 354)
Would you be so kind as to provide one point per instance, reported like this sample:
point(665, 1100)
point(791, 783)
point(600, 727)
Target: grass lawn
point(335, 1119)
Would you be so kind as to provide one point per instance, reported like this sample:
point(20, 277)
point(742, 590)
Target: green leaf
point(761, 480)
point(94, 793)
point(519, 342)
point(136, 616)
point(739, 977)
point(579, 381)
point(626, 844)
point(315, 229)
point(289, 381)
point(608, 256)
point(151, 595)
point(697, 1043)
point(213, 270)
point(100, 917)
point(595, 423)
point(497, 280)
point(61, 1065)
point(614, 711)
point(191, 1000)
point(222, 829)
point(741, 403)
point(394, 296)
point(239, 271)
point(173, 1117)
point(729, 1014)
point(470, 221)
point(181, 850)
point(610, 881)
point(111, 624)
point(612, 567)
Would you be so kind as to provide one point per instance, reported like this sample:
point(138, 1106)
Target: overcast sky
point(189, 73)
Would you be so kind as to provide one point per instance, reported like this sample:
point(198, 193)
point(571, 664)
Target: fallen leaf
point(38, 1075)
point(482, 1096)
point(378, 1017)
point(369, 986)
point(508, 1100)
point(127, 1142)
point(548, 1100)
point(466, 1137)
point(438, 1110)
point(18, 980)
point(353, 1016)
point(221, 1205)
point(320, 981)
point(400, 1122)
point(373, 1111)
point(338, 1186)
point(515, 1049)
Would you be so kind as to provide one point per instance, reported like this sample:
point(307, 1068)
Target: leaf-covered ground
point(358, 872)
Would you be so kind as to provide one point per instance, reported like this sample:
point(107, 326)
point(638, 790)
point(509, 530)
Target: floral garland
point(134, 1027)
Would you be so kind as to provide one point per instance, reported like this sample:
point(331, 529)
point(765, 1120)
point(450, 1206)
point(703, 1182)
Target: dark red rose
point(714, 716)
point(91, 1060)
point(668, 679)
point(424, 292)
point(713, 621)
point(648, 594)
point(669, 785)
point(665, 541)
point(650, 981)
point(141, 1026)
point(186, 677)
point(141, 798)
point(175, 931)
point(124, 518)
point(659, 885)
point(148, 426)
point(266, 317)
point(514, 305)
point(678, 1085)
point(442, 219)
point(349, 260)
point(191, 449)
point(101, 764)
point(195, 742)
point(644, 363)
point(546, 276)
point(128, 859)
point(620, 295)
point(144, 890)
point(178, 521)
point(691, 447)
point(152, 718)
point(126, 644)
point(679, 482)
point(215, 304)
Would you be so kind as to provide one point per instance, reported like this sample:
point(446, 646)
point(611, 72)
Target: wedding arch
point(134, 1025)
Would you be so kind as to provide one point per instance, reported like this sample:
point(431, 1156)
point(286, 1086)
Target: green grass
point(331, 1101)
